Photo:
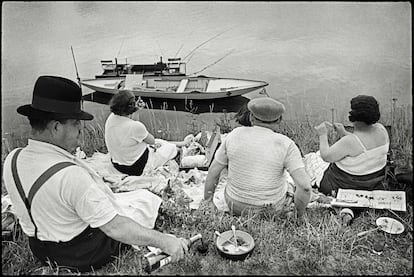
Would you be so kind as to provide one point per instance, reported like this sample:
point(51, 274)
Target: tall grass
point(402, 136)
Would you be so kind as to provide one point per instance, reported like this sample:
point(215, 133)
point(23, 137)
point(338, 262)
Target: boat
point(166, 86)
point(175, 87)
point(168, 82)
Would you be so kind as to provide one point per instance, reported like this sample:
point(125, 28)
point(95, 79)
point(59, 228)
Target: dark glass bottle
point(379, 244)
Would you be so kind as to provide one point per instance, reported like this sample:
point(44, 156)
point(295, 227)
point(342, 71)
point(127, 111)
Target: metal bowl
point(228, 250)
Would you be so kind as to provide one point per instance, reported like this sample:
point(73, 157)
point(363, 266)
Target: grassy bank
point(317, 246)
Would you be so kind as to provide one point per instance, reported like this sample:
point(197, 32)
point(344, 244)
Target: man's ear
point(279, 119)
point(54, 126)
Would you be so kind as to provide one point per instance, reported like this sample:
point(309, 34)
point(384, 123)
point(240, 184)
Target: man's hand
point(207, 205)
point(177, 248)
point(295, 216)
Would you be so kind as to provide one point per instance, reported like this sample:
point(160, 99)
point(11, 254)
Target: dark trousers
point(334, 178)
point(136, 168)
point(90, 249)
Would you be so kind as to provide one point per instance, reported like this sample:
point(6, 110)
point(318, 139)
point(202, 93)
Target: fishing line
point(122, 43)
point(213, 63)
point(189, 59)
point(176, 54)
point(205, 43)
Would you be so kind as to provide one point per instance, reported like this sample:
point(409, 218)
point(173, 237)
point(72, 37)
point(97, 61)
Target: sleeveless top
point(369, 161)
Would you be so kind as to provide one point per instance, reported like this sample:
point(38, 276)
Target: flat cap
point(266, 109)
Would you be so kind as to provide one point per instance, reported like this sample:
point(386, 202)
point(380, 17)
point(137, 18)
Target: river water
point(315, 56)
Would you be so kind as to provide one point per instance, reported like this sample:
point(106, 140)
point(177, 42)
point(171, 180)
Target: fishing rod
point(175, 56)
point(204, 43)
point(77, 74)
point(189, 59)
point(80, 86)
point(122, 44)
point(213, 63)
point(76, 68)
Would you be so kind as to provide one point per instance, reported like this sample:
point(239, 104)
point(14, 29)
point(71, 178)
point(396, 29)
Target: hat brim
point(28, 110)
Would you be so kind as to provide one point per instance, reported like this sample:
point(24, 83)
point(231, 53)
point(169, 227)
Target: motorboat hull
point(168, 87)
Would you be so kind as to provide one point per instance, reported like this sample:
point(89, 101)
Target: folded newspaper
point(376, 199)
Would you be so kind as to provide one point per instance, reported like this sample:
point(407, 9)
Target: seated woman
point(242, 116)
point(358, 159)
point(127, 140)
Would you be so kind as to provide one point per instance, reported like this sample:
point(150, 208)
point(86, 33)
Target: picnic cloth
point(315, 166)
point(136, 195)
point(142, 200)
point(193, 183)
point(7, 213)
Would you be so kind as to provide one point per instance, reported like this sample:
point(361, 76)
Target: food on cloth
point(194, 161)
point(193, 149)
point(194, 154)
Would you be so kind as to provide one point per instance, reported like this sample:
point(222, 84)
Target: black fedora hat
point(56, 98)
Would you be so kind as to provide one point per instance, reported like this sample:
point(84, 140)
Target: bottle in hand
point(153, 261)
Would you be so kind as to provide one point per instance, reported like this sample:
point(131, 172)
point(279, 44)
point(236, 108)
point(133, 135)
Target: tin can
point(379, 244)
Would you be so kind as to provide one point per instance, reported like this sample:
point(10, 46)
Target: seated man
point(71, 219)
point(256, 158)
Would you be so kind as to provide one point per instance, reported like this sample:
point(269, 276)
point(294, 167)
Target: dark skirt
point(136, 168)
point(334, 178)
point(90, 249)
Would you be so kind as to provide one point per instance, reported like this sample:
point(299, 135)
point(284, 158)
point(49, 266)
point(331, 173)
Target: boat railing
point(176, 66)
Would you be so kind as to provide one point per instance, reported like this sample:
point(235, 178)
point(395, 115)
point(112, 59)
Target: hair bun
point(364, 108)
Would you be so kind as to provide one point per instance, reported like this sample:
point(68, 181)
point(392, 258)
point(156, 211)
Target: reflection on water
point(231, 104)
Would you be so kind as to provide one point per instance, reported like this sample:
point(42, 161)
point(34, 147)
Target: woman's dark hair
point(364, 108)
point(243, 116)
point(123, 103)
point(40, 124)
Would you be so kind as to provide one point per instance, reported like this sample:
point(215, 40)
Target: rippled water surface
point(315, 56)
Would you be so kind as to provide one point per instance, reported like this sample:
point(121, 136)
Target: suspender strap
point(17, 179)
point(37, 184)
point(44, 177)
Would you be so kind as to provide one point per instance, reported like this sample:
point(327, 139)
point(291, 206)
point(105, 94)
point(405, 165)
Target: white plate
point(390, 225)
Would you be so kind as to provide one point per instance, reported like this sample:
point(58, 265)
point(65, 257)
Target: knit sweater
point(257, 158)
